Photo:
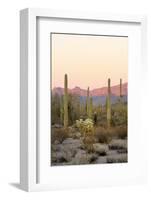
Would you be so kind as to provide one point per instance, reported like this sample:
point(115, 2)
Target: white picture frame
point(29, 113)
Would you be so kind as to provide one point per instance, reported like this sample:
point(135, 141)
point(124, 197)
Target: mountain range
point(102, 91)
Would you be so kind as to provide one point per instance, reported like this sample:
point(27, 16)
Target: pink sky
point(88, 60)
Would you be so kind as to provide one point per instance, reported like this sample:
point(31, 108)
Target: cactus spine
point(108, 104)
point(65, 101)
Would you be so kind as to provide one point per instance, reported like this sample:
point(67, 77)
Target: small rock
point(100, 148)
point(80, 158)
point(112, 152)
point(74, 143)
point(122, 150)
point(57, 126)
point(77, 134)
point(118, 144)
point(101, 160)
point(57, 147)
point(61, 156)
point(57, 157)
point(56, 142)
point(92, 157)
point(118, 158)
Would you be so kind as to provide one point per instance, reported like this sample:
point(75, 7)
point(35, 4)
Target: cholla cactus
point(79, 124)
point(85, 126)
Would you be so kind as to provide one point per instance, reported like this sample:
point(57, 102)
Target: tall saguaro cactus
point(108, 102)
point(120, 87)
point(88, 102)
point(65, 101)
point(90, 108)
point(61, 111)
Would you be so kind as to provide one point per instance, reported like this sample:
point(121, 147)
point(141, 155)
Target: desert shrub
point(102, 135)
point(59, 134)
point(88, 143)
point(121, 132)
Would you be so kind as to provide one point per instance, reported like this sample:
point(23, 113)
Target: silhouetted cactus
point(66, 101)
point(108, 104)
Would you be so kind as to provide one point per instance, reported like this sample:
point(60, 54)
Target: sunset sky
point(88, 60)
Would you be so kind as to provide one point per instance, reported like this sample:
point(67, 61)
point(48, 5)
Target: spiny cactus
point(108, 104)
point(66, 101)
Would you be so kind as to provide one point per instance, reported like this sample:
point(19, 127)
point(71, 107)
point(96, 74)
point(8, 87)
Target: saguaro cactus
point(90, 108)
point(88, 102)
point(66, 101)
point(108, 104)
point(61, 111)
point(120, 87)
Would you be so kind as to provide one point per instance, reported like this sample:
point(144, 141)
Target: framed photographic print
point(81, 80)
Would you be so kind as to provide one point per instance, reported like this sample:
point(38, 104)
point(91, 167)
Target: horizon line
point(89, 87)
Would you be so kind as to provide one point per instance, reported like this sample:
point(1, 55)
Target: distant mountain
point(95, 92)
point(102, 99)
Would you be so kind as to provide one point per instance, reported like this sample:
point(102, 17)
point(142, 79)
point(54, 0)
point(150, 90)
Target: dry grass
point(105, 135)
point(88, 143)
point(121, 132)
point(59, 134)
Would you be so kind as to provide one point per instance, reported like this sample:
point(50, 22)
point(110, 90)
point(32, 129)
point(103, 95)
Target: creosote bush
point(88, 143)
point(59, 134)
point(102, 135)
point(105, 135)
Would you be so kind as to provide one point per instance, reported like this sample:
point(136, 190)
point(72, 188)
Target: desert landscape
point(89, 127)
point(89, 99)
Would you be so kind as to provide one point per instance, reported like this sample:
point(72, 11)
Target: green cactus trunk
point(90, 108)
point(65, 101)
point(120, 87)
point(108, 104)
point(61, 111)
point(120, 90)
point(88, 102)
